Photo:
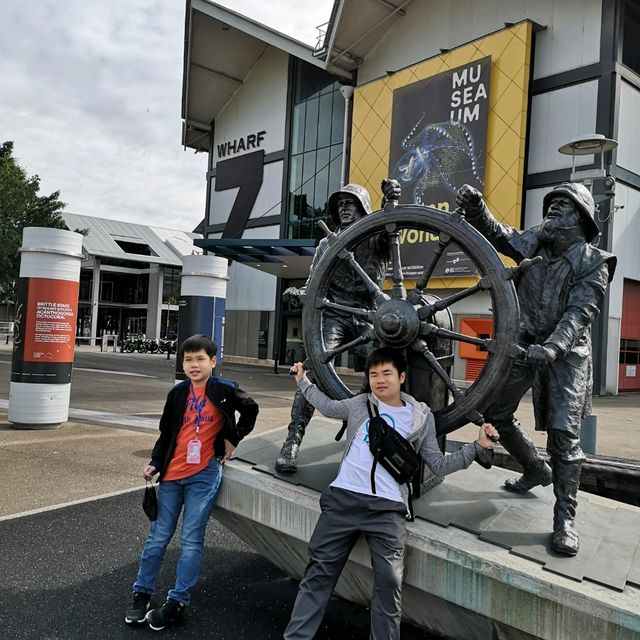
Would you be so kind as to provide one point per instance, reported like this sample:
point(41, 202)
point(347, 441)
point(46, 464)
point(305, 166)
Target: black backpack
point(395, 453)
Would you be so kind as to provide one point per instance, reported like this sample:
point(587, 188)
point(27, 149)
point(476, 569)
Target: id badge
point(193, 452)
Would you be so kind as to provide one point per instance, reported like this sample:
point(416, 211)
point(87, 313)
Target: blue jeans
point(197, 494)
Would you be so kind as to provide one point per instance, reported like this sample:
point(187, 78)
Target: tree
point(20, 207)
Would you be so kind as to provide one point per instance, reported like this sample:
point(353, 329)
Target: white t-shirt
point(355, 470)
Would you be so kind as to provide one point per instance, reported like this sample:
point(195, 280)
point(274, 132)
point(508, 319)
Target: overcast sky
point(90, 93)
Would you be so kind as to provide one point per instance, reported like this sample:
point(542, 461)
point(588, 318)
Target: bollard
point(203, 293)
point(45, 330)
point(588, 433)
point(275, 363)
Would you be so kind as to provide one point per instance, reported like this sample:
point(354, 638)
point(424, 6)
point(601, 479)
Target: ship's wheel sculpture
point(414, 321)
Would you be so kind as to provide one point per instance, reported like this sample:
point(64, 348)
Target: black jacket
point(226, 396)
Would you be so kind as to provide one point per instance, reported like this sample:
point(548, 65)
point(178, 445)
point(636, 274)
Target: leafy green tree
point(20, 207)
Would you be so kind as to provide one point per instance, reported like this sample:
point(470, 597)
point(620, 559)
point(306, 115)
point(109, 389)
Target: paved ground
point(69, 547)
point(67, 556)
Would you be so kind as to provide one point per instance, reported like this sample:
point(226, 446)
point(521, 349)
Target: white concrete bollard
point(203, 293)
point(45, 327)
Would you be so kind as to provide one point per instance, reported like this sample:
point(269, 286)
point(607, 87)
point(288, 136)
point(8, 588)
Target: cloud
point(91, 95)
point(300, 23)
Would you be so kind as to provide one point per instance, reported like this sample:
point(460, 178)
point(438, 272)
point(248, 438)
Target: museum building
point(510, 97)
point(129, 277)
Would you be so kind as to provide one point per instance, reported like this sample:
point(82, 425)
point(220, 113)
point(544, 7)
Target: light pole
point(347, 93)
point(593, 144)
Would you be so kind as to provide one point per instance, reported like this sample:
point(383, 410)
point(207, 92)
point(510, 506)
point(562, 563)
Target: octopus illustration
point(432, 155)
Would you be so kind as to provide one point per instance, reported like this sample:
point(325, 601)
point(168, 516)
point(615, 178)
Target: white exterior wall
point(249, 289)
point(260, 104)
point(626, 231)
point(628, 129)
point(571, 40)
point(556, 118)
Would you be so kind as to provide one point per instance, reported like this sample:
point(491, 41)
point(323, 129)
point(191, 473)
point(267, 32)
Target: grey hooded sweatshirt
point(422, 436)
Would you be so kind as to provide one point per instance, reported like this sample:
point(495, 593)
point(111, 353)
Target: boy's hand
point(487, 436)
point(298, 371)
point(149, 472)
point(228, 450)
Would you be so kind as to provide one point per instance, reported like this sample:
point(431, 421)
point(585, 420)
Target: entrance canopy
point(280, 257)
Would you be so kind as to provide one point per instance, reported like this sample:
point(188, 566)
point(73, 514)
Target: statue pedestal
point(477, 564)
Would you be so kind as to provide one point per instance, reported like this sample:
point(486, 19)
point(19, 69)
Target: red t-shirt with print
point(210, 424)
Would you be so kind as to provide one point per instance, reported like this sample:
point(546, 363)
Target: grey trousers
point(345, 515)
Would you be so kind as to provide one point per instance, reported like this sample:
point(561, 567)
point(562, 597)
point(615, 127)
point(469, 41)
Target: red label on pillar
point(50, 328)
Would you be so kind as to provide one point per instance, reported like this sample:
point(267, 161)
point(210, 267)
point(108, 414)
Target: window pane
point(324, 120)
point(310, 80)
point(308, 172)
point(630, 40)
point(630, 357)
point(322, 182)
point(311, 125)
point(297, 128)
point(306, 229)
point(295, 173)
point(337, 118)
point(295, 212)
point(335, 168)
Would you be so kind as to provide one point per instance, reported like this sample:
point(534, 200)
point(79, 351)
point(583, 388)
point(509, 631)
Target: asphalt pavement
point(72, 527)
point(67, 574)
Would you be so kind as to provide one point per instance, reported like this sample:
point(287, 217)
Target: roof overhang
point(221, 48)
point(355, 29)
point(282, 258)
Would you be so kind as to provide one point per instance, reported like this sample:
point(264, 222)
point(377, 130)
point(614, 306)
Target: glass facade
point(171, 285)
point(630, 41)
point(317, 130)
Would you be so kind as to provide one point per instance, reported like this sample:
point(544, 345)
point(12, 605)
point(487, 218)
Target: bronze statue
point(346, 206)
point(559, 298)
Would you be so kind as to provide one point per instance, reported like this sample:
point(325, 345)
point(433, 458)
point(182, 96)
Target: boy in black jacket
point(198, 432)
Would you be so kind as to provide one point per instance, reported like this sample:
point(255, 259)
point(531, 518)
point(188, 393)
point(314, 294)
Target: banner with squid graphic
point(438, 143)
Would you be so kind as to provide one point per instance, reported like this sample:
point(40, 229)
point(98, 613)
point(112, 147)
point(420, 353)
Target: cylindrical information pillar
point(45, 327)
point(203, 293)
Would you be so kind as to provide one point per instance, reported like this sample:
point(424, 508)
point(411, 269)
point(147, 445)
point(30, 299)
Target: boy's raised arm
point(325, 405)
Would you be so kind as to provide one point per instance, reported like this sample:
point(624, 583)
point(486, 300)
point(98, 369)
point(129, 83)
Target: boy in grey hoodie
point(350, 508)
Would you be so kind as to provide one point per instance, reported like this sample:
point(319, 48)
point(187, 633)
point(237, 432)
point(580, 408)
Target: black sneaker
point(165, 615)
point(137, 612)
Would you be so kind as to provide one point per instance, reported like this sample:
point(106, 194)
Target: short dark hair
point(386, 355)
point(196, 343)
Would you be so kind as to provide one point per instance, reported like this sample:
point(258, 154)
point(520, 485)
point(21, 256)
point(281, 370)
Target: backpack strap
point(371, 408)
point(340, 433)
point(411, 516)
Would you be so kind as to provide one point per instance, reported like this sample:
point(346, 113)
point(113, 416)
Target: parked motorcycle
point(167, 346)
point(152, 345)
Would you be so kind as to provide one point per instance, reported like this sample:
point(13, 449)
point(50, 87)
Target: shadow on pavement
point(67, 574)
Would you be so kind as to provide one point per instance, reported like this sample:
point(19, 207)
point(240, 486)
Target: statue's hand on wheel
point(541, 354)
point(391, 190)
point(469, 199)
point(291, 296)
